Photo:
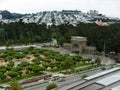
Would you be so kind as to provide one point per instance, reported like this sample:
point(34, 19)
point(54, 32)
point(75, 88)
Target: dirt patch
point(42, 56)
point(44, 63)
point(29, 57)
point(3, 63)
point(24, 72)
point(49, 68)
point(53, 60)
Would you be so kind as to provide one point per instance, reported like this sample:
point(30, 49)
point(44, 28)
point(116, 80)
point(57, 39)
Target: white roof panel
point(102, 73)
point(109, 80)
point(116, 88)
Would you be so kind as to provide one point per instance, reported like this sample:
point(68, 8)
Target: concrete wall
point(67, 46)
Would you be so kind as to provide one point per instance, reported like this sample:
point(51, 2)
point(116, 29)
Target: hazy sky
point(107, 7)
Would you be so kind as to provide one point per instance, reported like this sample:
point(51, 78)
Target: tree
point(36, 69)
point(13, 74)
point(11, 63)
point(19, 55)
point(84, 60)
point(68, 63)
point(7, 43)
point(24, 64)
point(92, 62)
point(14, 85)
point(3, 69)
point(77, 58)
point(2, 76)
point(72, 69)
point(51, 86)
point(84, 76)
point(88, 59)
point(98, 61)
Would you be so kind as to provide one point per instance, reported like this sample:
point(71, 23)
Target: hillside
point(8, 15)
point(58, 17)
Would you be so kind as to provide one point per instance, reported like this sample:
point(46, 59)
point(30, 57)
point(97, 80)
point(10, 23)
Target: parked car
point(103, 68)
point(61, 79)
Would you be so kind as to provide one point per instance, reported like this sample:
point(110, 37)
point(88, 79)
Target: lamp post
point(104, 48)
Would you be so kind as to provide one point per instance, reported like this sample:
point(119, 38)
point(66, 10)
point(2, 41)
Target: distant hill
point(58, 17)
point(8, 15)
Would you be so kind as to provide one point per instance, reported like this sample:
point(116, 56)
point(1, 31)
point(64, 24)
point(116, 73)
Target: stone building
point(79, 45)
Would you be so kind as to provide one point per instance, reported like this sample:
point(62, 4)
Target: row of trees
point(19, 32)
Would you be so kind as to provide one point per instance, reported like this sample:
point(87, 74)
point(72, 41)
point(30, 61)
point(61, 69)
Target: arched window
point(76, 46)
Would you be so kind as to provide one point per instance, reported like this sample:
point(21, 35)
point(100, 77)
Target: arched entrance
point(75, 48)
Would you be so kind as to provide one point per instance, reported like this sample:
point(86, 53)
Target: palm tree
point(14, 85)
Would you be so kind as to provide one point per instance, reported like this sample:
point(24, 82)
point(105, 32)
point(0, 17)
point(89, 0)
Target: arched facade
point(75, 48)
point(79, 45)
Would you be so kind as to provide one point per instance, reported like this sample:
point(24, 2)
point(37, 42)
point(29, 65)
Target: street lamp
point(104, 48)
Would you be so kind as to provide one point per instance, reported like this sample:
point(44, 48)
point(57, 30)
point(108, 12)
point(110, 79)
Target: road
point(19, 47)
point(73, 79)
point(104, 60)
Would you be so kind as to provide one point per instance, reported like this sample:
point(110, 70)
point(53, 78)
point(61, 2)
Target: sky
point(108, 7)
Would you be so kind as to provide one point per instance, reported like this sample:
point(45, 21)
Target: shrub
point(51, 86)
point(84, 76)
point(98, 61)
point(13, 74)
point(117, 59)
point(2, 76)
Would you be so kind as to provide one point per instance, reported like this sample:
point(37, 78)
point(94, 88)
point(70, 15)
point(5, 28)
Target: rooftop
point(102, 73)
point(107, 80)
point(78, 38)
point(116, 88)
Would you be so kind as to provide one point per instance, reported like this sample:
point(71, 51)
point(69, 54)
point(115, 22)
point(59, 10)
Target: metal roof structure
point(109, 80)
point(102, 73)
point(106, 80)
point(116, 88)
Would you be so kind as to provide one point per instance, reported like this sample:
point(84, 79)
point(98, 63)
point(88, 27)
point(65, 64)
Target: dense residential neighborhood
point(58, 17)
